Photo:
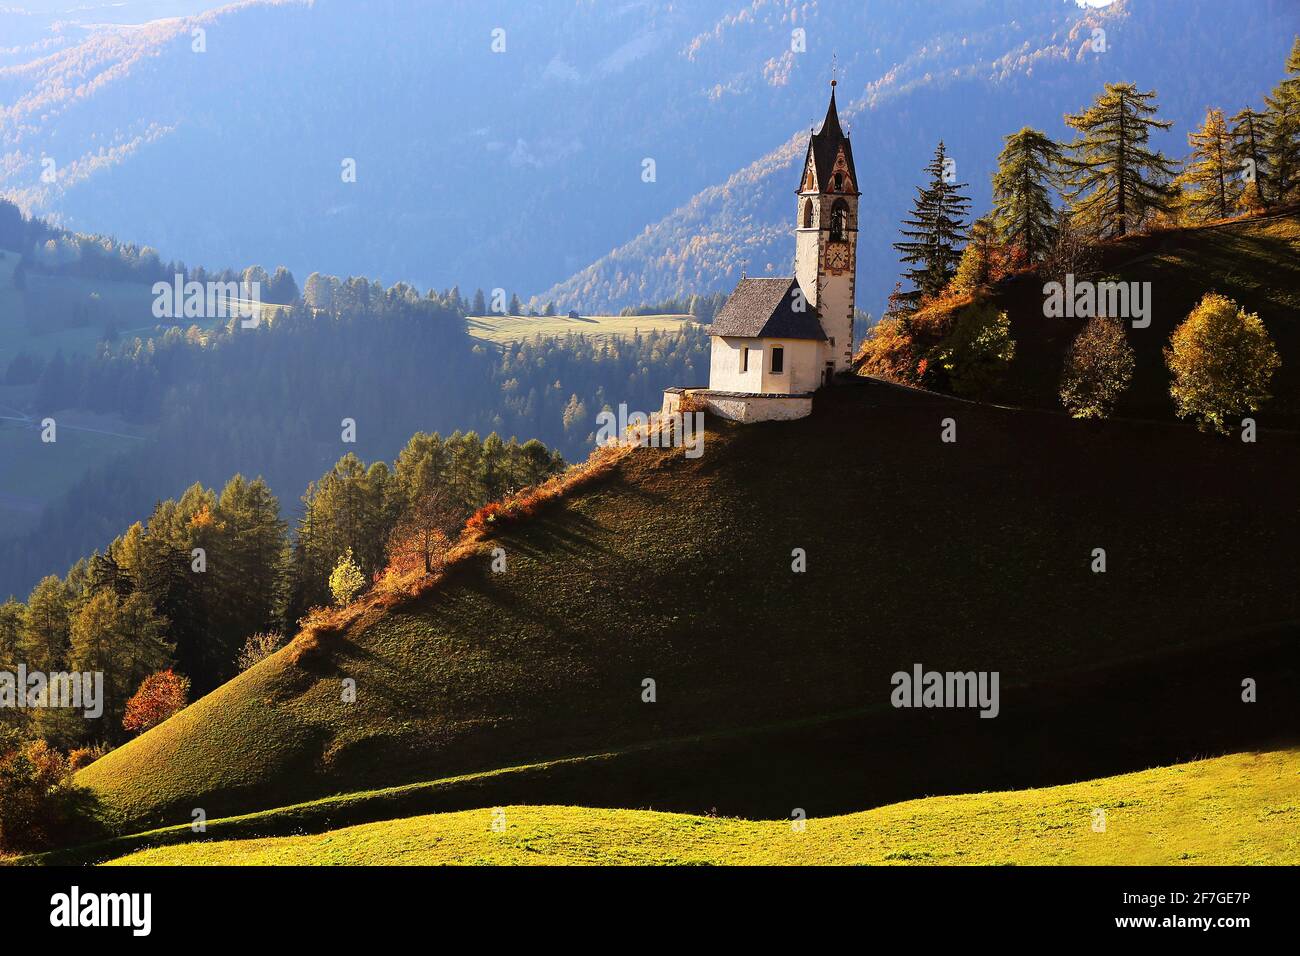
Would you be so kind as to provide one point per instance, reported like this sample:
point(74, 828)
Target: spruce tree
point(1249, 132)
point(1283, 137)
point(1028, 166)
point(1116, 180)
point(933, 233)
point(1209, 176)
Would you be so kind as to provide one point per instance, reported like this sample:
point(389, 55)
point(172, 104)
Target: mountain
point(524, 169)
point(772, 686)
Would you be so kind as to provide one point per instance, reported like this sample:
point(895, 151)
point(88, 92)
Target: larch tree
point(1116, 180)
point(934, 232)
point(1249, 132)
point(46, 625)
point(1028, 168)
point(1283, 137)
point(1209, 178)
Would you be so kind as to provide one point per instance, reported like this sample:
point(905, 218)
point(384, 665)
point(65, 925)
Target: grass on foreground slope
point(972, 555)
point(1238, 809)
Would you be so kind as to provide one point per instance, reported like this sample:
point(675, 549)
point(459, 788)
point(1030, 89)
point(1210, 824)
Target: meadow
point(1235, 809)
point(505, 329)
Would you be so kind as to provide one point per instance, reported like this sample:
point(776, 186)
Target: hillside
point(1254, 261)
point(1230, 810)
point(973, 555)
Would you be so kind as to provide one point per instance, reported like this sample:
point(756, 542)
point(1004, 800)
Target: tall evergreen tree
point(46, 624)
point(1028, 167)
point(1249, 133)
point(1283, 142)
point(933, 232)
point(1209, 178)
point(1116, 181)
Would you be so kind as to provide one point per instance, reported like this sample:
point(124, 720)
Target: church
point(777, 340)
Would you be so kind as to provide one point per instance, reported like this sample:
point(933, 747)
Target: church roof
point(824, 144)
point(764, 308)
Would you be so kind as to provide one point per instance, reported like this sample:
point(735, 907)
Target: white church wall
point(725, 373)
point(800, 372)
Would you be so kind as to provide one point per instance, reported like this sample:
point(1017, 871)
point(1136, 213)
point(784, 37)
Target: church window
point(839, 181)
point(839, 220)
point(807, 213)
point(744, 358)
point(778, 360)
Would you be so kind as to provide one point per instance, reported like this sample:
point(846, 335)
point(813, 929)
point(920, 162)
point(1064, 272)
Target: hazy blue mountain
point(523, 169)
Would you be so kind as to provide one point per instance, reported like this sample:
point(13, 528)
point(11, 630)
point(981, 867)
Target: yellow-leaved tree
point(346, 580)
point(1222, 360)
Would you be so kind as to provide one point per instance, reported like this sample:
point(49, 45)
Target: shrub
point(39, 805)
point(257, 648)
point(1221, 359)
point(1098, 369)
point(888, 351)
point(160, 695)
point(977, 352)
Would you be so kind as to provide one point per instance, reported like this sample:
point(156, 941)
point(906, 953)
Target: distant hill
point(1152, 818)
point(524, 169)
point(773, 686)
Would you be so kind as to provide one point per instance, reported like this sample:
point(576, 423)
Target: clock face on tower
point(837, 255)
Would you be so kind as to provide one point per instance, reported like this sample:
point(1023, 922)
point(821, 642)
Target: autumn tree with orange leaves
point(160, 695)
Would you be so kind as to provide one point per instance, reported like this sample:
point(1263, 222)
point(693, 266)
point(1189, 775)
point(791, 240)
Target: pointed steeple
point(831, 124)
point(825, 146)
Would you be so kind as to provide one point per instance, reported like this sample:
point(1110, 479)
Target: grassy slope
point(504, 329)
point(1254, 261)
point(1243, 808)
point(973, 555)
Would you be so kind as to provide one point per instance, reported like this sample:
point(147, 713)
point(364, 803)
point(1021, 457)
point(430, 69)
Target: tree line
point(1110, 180)
point(190, 585)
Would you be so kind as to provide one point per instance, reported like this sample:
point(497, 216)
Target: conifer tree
point(46, 624)
point(1116, 181)
point(1283, 137)
point(1209, 176)
point(1249, 131)
point(1028, 166)
point(934, 231)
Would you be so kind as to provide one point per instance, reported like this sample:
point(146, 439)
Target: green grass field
point(1236, 809)
point(504, 329)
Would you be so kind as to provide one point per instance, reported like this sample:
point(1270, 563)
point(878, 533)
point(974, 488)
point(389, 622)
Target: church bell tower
point(826, 236)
